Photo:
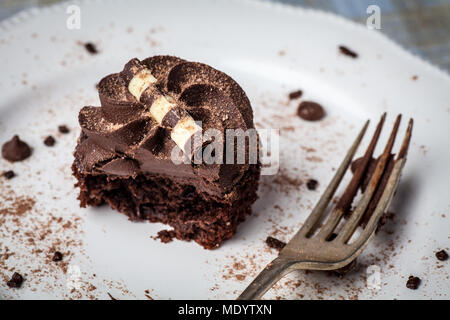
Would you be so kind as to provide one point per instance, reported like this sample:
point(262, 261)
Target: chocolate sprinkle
point(310, 111)
point(63, 129)
point(442, 255)
point(16, 150)
point(91, 48)
point(346, 51)
point(57, 256)
point(295, 94)
point(49, 141)
point(16, 281)
point(413, 283)
point(312, 184)
point(9, 174)
point(275, 243)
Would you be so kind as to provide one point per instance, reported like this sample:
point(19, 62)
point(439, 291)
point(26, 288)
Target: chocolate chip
point(63, 129)
point(9, 174)
point(312, 184)
point(49, 141)
point(413, 283)
point(15, 150)
point(346, 51)
point(275, 243)
point(16, 281)
point(295, 94)
point(442, 255)
point(91, 48)
point(57, 256)
point(310, 111)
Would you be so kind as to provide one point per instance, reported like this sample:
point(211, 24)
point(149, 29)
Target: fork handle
point(273, 272)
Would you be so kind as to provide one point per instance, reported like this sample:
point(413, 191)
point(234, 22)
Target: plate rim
point(24, 15)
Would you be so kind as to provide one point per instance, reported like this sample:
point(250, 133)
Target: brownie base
point(200, 217)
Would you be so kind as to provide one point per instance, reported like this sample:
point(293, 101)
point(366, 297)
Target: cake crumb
point(166, 236)
point(9, 174)
point(49, 141)
point(275, 243)
point(16, 280)
point(442, 255)
point(57, 256)
point(413, 283)
point(312, 184)
point(240, 277)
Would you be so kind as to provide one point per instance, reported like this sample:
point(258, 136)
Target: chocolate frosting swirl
point(120, 138)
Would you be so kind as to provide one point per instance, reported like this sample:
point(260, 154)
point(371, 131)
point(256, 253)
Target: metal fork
point(314, 247)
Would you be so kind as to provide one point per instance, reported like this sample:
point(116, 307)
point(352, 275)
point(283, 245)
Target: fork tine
point(379, 191)
point(405, 145)
point(383, 204)
point(315, 254)
point(391, 186)
point(324, 200)
point(355, 218)
point(345, 201)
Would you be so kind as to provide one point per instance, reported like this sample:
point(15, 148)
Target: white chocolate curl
point(185, 128)
point(161, 106)
point(140, 82)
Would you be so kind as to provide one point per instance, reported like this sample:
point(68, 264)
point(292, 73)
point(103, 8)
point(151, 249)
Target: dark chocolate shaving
point(346, 51)
point(91, 48)
point(295, 94)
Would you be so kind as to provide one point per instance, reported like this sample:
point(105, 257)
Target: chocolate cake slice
point(133, 150)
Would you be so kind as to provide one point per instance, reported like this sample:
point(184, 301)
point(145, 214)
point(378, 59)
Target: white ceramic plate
point(47, 76)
